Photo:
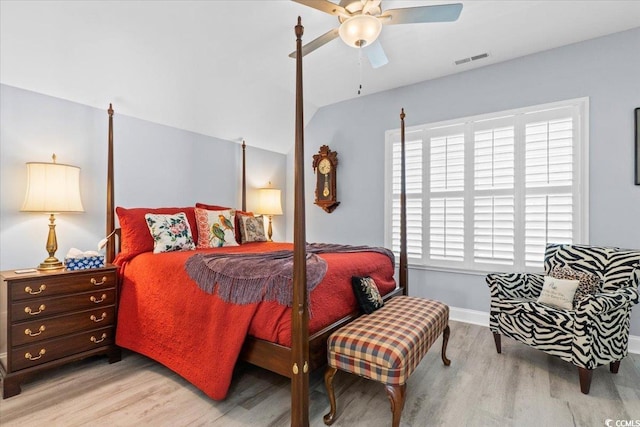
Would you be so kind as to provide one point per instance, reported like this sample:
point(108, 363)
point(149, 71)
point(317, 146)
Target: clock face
point(324, 166)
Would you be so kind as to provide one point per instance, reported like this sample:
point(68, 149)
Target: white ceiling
point(221, 68)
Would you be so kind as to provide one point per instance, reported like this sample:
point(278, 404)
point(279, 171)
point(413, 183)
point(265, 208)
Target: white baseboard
point(634, 344)
point(465, 315)
point(482, 318)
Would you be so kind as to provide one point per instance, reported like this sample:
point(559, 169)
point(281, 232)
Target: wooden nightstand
point(52, 318)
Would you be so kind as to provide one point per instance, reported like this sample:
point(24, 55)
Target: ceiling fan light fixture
point(360, 30)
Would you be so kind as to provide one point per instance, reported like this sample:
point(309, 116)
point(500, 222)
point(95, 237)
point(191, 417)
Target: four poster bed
point(166, 313)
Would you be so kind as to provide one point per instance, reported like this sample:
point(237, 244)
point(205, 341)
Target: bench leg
point(328, 383)
point(396, 394)
point(445, 341)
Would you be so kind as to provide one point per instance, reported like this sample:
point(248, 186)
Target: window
point(487, 193)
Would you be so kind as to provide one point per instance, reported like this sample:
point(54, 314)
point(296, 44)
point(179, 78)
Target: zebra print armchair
point(595, 332)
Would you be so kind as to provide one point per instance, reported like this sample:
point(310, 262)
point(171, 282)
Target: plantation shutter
point(413, 164)
point(549, 181)
point(446, 201)
point(494, 192)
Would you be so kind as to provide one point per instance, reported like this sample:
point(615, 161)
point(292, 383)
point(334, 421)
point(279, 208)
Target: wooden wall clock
point(324, 165)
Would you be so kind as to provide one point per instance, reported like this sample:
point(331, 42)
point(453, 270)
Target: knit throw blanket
point(251, 278)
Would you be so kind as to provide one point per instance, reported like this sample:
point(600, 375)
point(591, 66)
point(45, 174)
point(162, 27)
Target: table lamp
point(269, 204)
point(52, 188)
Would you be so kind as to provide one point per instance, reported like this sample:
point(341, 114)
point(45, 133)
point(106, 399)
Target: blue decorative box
point(84, 263)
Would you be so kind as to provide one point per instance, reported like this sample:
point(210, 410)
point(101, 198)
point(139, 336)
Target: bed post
point(404, 284)
point(299, 313)
point(111, 246)
point(244, 177)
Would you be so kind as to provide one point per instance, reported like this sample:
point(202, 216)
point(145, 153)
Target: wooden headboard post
point(299, 312)
point(244, 177)
point(111, 245)
point(404, 283)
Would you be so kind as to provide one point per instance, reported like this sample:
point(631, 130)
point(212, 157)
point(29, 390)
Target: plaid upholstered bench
point(386, 346)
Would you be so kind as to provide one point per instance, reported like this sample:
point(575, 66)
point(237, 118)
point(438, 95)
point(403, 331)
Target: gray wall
point(607, 70)
point(155, 166)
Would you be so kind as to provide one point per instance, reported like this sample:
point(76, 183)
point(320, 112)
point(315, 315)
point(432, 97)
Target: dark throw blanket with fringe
point(251, 278)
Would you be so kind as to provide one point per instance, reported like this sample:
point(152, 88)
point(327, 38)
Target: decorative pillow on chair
point(216, 228)
point(170, 232)
point(558, 293)
point(252, 229)
point(589, 283)
point(367, 294)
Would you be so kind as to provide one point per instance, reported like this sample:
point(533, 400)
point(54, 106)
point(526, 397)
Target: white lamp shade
point(269, 201)
point(52, 188)
point(360, 30)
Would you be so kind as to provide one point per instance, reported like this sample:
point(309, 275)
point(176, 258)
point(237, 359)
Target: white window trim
point(580, 176)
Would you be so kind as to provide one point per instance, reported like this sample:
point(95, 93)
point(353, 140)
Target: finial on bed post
point(404, 284)
point(111, 247)
point(244, 177)
point(299, 312)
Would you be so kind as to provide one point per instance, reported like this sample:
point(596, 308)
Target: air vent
point(472, 58)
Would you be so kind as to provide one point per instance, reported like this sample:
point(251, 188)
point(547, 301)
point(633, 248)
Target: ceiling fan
point(361, 22)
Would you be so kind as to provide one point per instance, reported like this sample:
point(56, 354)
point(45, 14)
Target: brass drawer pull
point(97, 341)
point(30, 291)
point(96, 283)
point(31, 334)
point(40, 354)
point(33, 313)
point(98, 301)
point(96, 320)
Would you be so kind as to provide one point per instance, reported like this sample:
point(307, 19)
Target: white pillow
point(216, 228)
point(170, 232)
point(558, 292)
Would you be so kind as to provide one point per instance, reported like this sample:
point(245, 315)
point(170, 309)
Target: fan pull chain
point(360, 68)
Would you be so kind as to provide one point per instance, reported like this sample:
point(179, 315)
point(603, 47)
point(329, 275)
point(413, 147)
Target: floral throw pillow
point(367, 294)
point(216, 228)
point(589, 283)
point(170, 232)
point(252, 229)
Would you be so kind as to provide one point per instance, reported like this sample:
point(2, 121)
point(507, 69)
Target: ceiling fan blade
point(413, 15)
point(326, 6)
point(314, 44)
point(376, 55)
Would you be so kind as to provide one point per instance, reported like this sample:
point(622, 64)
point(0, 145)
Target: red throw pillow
point(211, 207)
point(135, 235)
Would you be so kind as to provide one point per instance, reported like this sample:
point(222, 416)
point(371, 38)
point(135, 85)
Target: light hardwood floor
point(520, 387)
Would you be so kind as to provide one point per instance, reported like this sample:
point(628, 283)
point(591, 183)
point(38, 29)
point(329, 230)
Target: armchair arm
point(608, 302)
point(635, 280)
point(601, 329)
point(515, 285)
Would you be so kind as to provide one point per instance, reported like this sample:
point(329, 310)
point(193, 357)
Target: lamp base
point(51, 263)
point(270, 230)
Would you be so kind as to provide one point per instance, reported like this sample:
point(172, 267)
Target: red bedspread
point(164, 315)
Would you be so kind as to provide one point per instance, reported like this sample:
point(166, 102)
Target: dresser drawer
point(45, 307)
point(36, 354)
point(51, 327)
point(46, 286)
